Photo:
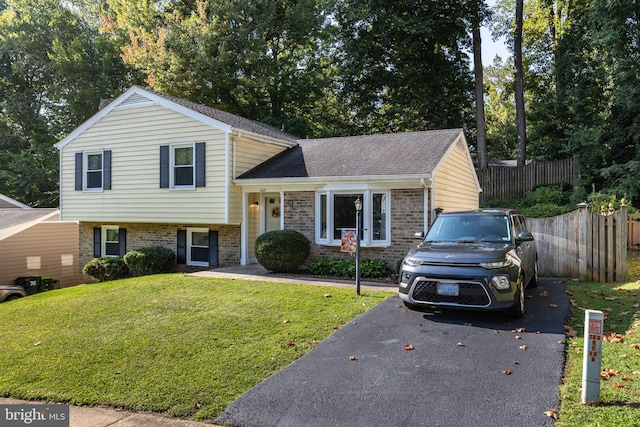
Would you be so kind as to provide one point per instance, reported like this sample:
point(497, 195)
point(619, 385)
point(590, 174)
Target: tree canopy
point(328, 68)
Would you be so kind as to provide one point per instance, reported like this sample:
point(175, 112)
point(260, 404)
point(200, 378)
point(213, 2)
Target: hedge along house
point(155, 170)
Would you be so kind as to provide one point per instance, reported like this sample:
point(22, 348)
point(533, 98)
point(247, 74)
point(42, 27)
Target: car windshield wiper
point(466, 241)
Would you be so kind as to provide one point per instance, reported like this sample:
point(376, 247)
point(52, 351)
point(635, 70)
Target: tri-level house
point(151, 169)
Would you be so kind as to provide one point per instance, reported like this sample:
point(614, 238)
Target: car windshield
point(469, 228)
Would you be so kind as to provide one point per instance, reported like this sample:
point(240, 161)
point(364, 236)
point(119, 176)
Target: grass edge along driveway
point(184, 346)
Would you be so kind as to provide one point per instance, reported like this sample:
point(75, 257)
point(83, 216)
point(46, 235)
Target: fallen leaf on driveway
point(408, 347)
point(523, 347)
point(353, 358)
point(553, 305)
point(544, 294)
point(460, 344)
point(507, 372)
point(551, 414)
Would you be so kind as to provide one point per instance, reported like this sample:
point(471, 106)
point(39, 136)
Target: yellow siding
point(134, 135)
point(455, 186)
point(46, 249)
point(253, 225)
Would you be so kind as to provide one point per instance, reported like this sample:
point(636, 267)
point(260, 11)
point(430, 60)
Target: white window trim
point(85, 171)
point(103, 240)
point(172, 157)
point(367, 217)
point(190, 231)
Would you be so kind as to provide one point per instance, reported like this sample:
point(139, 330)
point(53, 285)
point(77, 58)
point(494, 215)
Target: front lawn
point(620, 383)
point(185, 346)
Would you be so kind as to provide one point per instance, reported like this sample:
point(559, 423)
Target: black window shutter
point(97, 235)
point(122, 241)
point(181, 249)
point(200, 164)
point(78, 171)
point(164, 166)
point(106, 182)
point(213, 248)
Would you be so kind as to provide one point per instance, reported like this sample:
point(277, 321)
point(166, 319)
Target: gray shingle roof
point(412, 153)
point(11, 217)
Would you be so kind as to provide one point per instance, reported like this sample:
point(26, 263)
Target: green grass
point(620, 391)
point(185, 346)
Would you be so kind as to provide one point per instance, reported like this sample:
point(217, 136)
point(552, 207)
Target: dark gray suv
point(481, 259)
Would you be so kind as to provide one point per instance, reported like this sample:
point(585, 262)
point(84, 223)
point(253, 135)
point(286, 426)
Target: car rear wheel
point(533, 282)
point(517, 310)
point(12, 297)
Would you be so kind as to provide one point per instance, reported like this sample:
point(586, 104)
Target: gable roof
point(403, 154)
point(218, 119)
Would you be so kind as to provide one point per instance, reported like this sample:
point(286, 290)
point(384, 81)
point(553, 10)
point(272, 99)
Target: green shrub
point(346, 267)
point(150, 260)
point(103, 269)
point(282, 251)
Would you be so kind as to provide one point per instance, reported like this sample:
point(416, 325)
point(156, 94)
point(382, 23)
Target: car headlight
point(501, 282)
point(497, 264)
point(412, 262)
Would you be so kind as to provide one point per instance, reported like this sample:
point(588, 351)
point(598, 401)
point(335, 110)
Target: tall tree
point(404, 63)
point(481, 134)
point(263, 59)
point(519, 85)
point(53, 71)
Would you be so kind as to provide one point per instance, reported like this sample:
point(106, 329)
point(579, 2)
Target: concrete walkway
point(107, 417)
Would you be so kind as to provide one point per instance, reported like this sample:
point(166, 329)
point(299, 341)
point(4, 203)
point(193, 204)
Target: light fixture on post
point(256, 204)
point(358, 205)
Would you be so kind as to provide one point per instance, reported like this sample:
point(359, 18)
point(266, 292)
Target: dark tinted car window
point(449, 228)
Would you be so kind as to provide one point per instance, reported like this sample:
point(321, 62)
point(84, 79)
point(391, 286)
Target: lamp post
point(358, 205)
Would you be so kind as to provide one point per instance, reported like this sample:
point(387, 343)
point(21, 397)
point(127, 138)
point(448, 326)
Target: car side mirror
point(419, 235)
point(525, 236)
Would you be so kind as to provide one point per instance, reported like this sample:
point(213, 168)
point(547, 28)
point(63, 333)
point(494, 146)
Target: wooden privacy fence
point(582, 245)
point(505, 183)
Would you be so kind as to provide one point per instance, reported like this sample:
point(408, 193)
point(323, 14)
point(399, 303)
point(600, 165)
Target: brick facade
point(407, 218)
point(165, 235)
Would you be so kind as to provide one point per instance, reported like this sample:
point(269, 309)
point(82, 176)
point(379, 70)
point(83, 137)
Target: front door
point(272, 213)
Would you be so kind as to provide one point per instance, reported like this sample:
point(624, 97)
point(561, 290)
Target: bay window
point(336, 211)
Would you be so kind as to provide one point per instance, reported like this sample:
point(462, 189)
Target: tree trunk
point(519, 87)
point(481, 142)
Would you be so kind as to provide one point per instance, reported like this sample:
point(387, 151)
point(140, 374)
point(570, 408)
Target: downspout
point(428, 203)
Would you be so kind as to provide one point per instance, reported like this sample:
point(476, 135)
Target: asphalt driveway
point(397, 367)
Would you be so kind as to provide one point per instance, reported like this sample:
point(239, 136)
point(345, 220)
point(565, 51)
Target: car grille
point(470, 294)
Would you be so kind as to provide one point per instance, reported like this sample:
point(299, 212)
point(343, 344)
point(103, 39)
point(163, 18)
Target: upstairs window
point(93, 170)
point(182, 166)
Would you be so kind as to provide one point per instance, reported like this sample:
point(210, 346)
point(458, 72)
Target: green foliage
point(104, 269)
point(543, 201)
point(346, 267)
point(150, 260)
point(282, 250)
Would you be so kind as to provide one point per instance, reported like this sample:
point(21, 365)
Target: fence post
point(583, 215)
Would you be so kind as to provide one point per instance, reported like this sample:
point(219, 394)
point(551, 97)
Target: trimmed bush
point(282, 251)
point(103, 269)
point(150, 260)
point(346, 267)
